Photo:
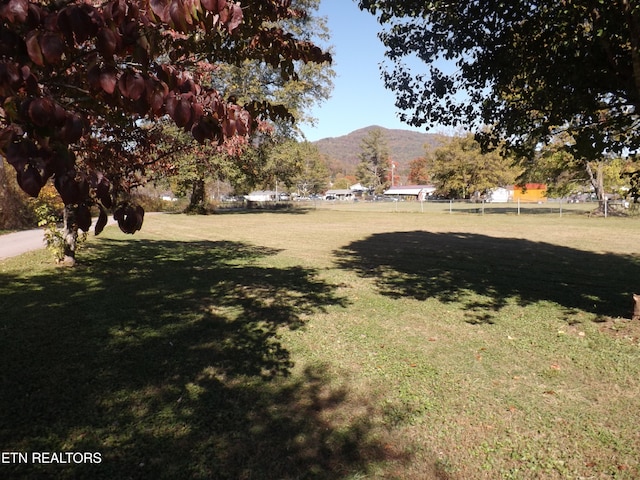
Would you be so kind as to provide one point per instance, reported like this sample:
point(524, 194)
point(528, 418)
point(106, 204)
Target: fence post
point(450, 207)
point(518, 206)
point(606, 206)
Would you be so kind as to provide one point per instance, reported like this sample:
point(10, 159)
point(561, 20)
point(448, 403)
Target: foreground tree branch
point(76, 76)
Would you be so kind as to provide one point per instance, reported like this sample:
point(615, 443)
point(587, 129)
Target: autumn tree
point(529, 69)
point(419, 171)
point(74, 74)
point(186, 164)
point(374, 166)
point(461, 170)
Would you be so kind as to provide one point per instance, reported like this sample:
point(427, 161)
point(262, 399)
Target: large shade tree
point(254, 80)
point(528, 69)
point(419, 173)
point(460, 169)
point(74, 72)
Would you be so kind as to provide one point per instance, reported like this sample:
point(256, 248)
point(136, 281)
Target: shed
point(339, 194)
point(500, 195)
point(415, 192)
point(530, 192)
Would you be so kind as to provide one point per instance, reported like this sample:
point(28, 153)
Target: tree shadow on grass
point(165, 358)
point(485, 273)
point(257, 208)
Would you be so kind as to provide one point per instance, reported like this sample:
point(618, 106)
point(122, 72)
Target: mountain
point(403, 145)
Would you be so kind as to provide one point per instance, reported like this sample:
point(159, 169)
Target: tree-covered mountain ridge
point(403, 145)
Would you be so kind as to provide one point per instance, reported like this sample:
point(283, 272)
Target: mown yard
point(328, 344)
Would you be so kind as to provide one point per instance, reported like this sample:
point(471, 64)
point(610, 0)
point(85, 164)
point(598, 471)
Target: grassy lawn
point(342, 343)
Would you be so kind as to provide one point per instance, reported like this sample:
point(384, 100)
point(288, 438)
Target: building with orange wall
point(531, 192)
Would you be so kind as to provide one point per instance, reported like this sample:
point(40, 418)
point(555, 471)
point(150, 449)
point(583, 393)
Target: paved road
point(17, 243)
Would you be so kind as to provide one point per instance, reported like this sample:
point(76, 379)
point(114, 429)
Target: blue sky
point(359, 98)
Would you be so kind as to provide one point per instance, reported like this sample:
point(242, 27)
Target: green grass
point(345, 343)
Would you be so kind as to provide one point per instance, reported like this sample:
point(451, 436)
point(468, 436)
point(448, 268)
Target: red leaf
point(83, 217)
point(224, 14)
point(30, 181)
point(171, 103)
point(189, 86)
point(52, 47)
point(161, 9)
point(116, 11)
point(129, 218)
point(33, 48)
point(6, 138)
point(59, 115)
point(17, 10)
point(131, 85)
point(236, 17)
point(156, 102)
point(101, 222)
point(108, 80)
point(211, 5)
point(101, 185)
point(242, 119)
point(93, 77)
point(179, 15)
point(80, 23)
point(73, 128)
point(42, 111)
point(199, 132)
point(241, 128)
point(68, 189)
point(9, 73)
point(182, 114)
point(106, 42)
point(229, 126)
point(18, 153)
point(197, 112)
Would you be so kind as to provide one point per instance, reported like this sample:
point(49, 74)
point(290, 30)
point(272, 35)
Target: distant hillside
point(404, 146)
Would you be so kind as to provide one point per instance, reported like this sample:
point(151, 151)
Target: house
point(500, 195)
point(531, 192)
point(340, 194)
point(358, 187)
point(261, 196)
point(414, 192)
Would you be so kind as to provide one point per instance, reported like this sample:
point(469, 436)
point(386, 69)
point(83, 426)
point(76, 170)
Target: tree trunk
point(197, 200)
point(597, 181)
point(70, 235)
point(636, 307)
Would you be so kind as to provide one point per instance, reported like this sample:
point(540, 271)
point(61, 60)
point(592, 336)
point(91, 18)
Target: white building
point(341, 194)
point(414, 192)
point(261, 196)
point(500, 195)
